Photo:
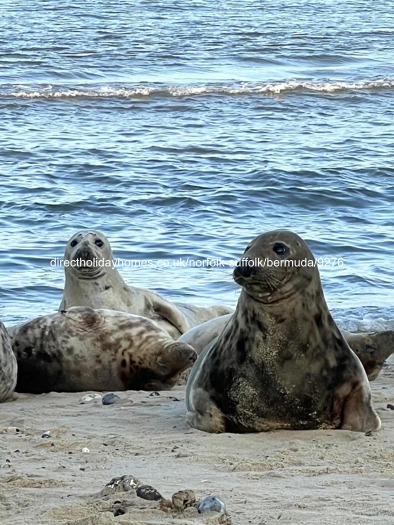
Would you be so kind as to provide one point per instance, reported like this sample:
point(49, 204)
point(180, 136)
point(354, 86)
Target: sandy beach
point(325, 477)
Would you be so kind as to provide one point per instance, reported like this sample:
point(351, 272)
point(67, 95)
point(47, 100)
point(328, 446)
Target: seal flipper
point(357, 412)
point(204, 414)
point(169, 312)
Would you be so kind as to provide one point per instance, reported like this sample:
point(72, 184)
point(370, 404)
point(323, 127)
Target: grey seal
point(8, 366)
point(85, 349)
point(372, 348)
point(281, 362)
point(92, 279)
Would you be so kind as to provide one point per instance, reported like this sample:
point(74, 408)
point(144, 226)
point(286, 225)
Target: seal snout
point(243, 269)
point(188, 354)
point(85, 253)
point(184, 355)
point(193, 357)
point(246, 270)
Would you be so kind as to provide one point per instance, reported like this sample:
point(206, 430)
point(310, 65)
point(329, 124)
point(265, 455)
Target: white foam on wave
point(246, 88)
point(365, 319)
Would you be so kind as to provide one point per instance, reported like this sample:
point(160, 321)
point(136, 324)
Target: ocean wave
point(160, 90)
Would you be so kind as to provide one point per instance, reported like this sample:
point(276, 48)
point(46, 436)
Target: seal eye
point(279, 248)
point(73, 243)
point(99, 243)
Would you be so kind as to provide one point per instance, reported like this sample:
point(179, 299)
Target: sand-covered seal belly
point(8, 366)
point(85, 349)
point(280, 362)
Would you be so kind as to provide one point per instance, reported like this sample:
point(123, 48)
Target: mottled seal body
point(92, 279)
point(8, 366)
point(372, 348)
point(85, 349)
point(281, 362)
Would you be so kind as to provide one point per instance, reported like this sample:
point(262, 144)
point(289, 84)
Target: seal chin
point(269, 298)
point(266, 291)
point(89, 273)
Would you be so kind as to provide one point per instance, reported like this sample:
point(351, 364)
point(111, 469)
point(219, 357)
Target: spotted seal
point(8, 366)
point(85, 349)
point(92, 279)
point(372, 348)
point(281, 362)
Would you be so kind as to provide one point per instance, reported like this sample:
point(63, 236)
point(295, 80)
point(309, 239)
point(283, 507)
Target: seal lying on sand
point(84, 349)
point(92, 279)
point(281, 362)
point(8, 366)
point(372, 348)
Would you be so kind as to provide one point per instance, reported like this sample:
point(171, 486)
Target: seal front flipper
point(204, 414)
point(169, 312)
point(357, 412)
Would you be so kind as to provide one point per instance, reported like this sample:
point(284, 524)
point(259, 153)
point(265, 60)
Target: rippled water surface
point(184, 129)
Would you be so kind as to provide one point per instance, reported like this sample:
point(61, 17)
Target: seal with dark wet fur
point(85, 349)
point(92, 279)
point(280, 362)
point(8, 366)
point(372, 348)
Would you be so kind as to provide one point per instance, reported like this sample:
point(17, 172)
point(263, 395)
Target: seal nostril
point(243, 270)
point(85, 253)
point(237, 272)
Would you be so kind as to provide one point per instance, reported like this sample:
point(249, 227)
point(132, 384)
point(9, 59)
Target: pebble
point(121, 484)
point(110, 399)
point(90, 398)
point(6, 464)
point(212, 504)
point(183, 499)
point(85, 450)
point(12, 430)
point(149, 493)
point(46, 434)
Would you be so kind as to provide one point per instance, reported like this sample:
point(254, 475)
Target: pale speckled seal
point(8, 366)
point(100, 285)
point(85, 349)
point(281, 362)
point(372, 348)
